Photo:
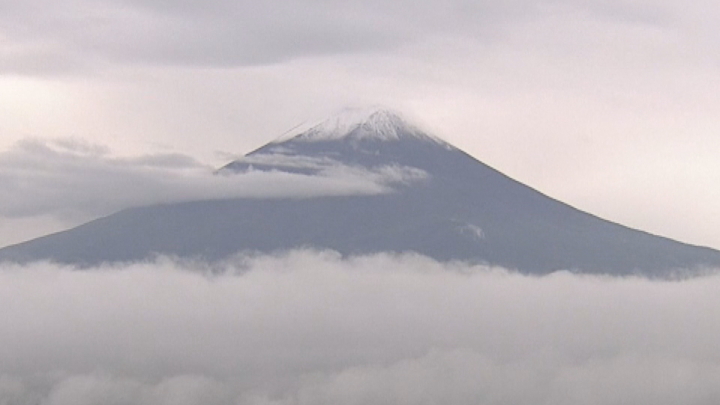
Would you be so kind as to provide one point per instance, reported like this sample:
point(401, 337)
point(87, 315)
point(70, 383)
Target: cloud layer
point(311, 328)
point(72, 181)
point(74, 35)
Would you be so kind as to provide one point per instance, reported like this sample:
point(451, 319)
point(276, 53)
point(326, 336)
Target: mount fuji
point(444, 204)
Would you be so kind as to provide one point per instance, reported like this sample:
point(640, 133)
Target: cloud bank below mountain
point(311, 328)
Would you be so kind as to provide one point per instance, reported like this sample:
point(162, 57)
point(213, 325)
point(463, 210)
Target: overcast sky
point(610, 105)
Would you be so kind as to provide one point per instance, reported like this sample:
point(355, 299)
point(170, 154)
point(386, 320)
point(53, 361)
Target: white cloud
point(311, 328)
point(46, 182)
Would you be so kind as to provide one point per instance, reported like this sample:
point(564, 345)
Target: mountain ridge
point(462, 209)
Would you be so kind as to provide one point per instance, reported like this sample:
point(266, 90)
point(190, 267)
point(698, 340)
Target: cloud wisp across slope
point(72, 182)
point(312, 328)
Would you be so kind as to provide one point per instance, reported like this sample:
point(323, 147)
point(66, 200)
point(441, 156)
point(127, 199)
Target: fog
point(310, 327)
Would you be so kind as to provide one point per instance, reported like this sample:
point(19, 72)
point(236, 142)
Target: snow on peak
point(364, 123)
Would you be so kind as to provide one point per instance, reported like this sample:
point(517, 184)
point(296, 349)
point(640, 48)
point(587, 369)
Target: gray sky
point(608, 105)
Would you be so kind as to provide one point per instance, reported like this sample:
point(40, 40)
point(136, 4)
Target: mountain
point(450, 207)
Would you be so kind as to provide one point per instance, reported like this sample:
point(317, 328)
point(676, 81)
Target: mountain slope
point(459, 209)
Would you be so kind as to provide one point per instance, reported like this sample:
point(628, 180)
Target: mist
point(310, 327)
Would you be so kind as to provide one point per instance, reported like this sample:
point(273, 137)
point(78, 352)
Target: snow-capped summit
point(373, 138)
point(369, 138)
point(374, 123)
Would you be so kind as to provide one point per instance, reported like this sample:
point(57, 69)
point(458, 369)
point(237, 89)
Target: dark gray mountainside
point(453, 208)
